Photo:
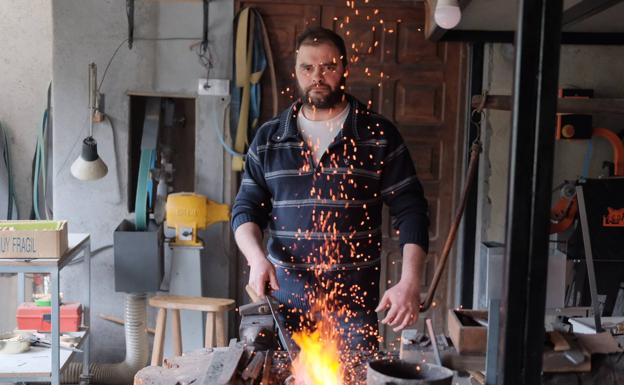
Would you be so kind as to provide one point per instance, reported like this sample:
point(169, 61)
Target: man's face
point(320, 75)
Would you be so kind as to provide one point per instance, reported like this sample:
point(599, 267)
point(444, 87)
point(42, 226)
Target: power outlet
point(215, 87)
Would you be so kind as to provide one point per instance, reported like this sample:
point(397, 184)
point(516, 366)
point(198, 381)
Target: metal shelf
point(39, 363)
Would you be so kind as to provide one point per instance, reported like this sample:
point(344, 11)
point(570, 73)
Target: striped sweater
point(330, 214)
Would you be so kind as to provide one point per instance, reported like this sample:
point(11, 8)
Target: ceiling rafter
point(586, 9)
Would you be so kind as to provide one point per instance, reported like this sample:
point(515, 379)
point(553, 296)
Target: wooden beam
point(585, 9)
point(575, 106)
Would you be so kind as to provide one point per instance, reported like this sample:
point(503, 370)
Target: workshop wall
point(26, 69)
point(593, 67)
point(91, 30)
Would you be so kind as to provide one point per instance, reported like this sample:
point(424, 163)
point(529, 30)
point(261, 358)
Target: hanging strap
point(252, 55)
point(149, 141)
point(244, 45)
point(269, 56)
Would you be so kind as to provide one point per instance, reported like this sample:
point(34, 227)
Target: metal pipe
point(92, 95)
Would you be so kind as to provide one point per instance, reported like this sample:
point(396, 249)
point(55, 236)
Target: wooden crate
point(467, 338)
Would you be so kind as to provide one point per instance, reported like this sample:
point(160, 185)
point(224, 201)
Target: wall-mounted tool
point(188, 213)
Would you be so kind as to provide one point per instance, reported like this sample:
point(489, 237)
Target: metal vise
point(257, 327)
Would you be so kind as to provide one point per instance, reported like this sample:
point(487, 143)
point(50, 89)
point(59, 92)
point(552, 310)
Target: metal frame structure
point(53, 267)
point(469, 224)
point(580, 11)
point(579, 38)
point(585, 9)
point(536, 76)
point(519, 324)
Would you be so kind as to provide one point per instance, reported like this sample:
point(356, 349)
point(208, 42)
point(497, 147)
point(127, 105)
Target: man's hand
point(403, 304)
point(249, 239)
point(261, 272)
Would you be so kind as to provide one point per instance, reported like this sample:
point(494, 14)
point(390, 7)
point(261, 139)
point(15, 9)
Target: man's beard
point(326, 101)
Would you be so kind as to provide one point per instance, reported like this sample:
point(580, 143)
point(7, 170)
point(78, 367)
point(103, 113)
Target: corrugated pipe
point(136, 350)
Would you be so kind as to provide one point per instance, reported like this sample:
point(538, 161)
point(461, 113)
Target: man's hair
point(319, 35)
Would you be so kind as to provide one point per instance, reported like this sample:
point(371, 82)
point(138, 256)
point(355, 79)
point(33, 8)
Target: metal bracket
point(130, 15)
point(204, 43)
point(589, 258)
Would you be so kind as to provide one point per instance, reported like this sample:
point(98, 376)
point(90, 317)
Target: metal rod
point(589, 257)
point(55, 328)
point(92, 95)
point(21, 286)
point(130, 17)
point(204, 43)
point(434, 342)
point(493, 339)
point(448, 244)
point(86, 313)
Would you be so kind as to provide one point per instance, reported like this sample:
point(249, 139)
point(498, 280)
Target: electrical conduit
point(136, 350)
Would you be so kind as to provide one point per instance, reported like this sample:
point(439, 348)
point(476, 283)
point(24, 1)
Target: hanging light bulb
point(89, 165)
point(447, 14)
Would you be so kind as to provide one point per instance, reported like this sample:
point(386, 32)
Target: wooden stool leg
point(210, 330)
point(220, 329)
point(177, 333)
point(159, 337)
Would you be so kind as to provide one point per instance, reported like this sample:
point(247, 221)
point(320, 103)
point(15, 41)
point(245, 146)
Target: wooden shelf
point(576, 106)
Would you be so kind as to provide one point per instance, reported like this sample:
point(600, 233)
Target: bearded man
point(317, 176)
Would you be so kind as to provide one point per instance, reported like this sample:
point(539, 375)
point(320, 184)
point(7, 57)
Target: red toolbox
point(33, 317)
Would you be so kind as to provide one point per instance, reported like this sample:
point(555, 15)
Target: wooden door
point(414, 82)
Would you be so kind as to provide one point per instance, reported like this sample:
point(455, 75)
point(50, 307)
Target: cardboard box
point(33, 239)
point(467, 335)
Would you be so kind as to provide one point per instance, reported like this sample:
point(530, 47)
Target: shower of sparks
point(325, 339)
point(365, 14)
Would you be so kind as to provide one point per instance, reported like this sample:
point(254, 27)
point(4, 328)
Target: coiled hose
point(136, 350)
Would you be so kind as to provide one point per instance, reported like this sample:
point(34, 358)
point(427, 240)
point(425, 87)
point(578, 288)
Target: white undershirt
point(318, 134)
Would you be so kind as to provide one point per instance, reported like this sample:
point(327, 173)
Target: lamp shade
point(447, 14)
point(89, 166)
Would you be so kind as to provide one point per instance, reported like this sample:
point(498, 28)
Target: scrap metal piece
point(252, 371)
point(575, 356)
point(258, 331)
point(256, 308)
point(266, 369)
point(434, 344)
point(287, 343)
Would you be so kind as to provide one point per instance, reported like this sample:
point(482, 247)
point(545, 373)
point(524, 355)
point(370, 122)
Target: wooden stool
point(215, 309)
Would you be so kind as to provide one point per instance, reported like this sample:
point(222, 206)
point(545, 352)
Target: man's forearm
point(249, 240)
point(413, 261)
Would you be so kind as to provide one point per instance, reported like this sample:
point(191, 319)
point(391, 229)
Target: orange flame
point(318, 362)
